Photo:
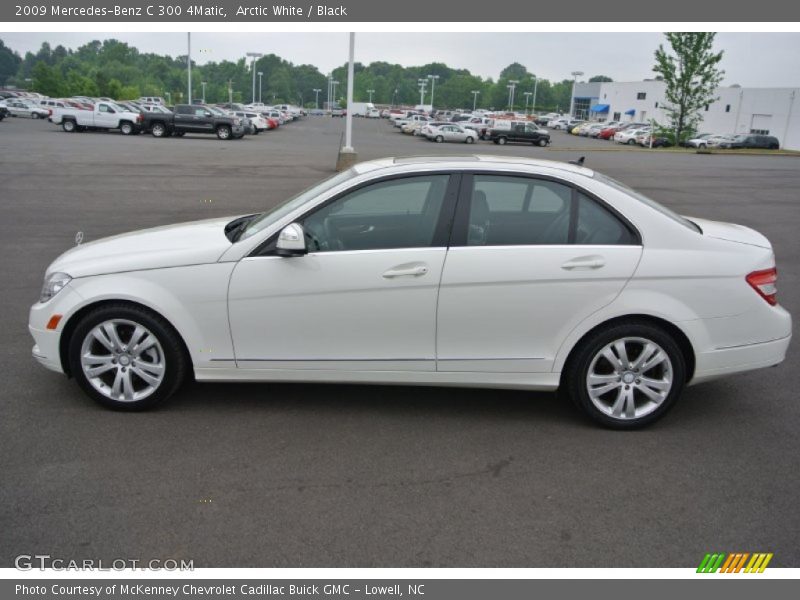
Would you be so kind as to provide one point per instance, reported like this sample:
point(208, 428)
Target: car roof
point(482, 162)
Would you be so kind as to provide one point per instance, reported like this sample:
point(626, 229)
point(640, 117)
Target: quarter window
point(399, 213)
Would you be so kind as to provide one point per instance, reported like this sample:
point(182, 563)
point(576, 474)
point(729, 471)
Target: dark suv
point(752, 141)
point(518, 131)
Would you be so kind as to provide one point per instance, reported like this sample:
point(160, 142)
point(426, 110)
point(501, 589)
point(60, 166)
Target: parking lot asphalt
point(366, 476)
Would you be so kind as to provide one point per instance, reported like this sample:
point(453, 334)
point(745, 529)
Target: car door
point(105, 116)
point(364, 297)
point(184, 120)
point(530, 258)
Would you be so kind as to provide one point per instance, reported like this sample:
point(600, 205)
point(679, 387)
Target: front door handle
point(584, 262)
point(406, 271)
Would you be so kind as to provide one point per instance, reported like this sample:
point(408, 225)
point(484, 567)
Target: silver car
point(452, 132)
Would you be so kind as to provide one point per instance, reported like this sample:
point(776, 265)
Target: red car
point(608, 132)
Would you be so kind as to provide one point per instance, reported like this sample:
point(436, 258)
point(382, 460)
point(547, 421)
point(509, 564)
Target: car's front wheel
point(627, 375)
point(126, 357)
point(223, 132)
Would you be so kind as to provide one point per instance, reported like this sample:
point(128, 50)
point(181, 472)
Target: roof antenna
point(578, 162)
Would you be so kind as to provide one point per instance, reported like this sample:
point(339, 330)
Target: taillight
point(765, 283)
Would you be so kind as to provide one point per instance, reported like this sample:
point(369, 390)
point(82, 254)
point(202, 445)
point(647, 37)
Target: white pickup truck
point(105, 115)
point(411, 119)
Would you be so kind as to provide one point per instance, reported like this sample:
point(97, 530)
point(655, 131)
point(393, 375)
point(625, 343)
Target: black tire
point(34, 115)
point(176, 361)
point(542, 143)
point(69, 126)
point(576, 371)
point(158, 129)
point(439, 139)
point(631, 142)
point(502, 141)
point(773, 146)
point(126, 128)
point(469, 140)
point(223, 132)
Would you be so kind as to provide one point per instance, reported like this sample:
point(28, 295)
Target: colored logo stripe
point(734, 562)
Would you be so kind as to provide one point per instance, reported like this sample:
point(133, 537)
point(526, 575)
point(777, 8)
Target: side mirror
point(291, 241)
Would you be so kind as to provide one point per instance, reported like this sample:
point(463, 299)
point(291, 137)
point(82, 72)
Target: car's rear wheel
point(223, 132)
point(158, 130)
point(68, 126)
point(126, 357)
point(626, 376)
point(502, 141)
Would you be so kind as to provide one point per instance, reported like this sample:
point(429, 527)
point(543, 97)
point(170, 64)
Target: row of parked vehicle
point(469, 127)
point(151, 115)
point(642, 134)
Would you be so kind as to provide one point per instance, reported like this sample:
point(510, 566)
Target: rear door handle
point(584, 263)
point(411, 271)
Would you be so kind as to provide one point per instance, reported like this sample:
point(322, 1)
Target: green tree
point(691, 73)
point(9, 63)
point(599, 78)
point(47, 80)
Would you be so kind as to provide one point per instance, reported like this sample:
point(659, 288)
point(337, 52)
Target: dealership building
point(768, 111)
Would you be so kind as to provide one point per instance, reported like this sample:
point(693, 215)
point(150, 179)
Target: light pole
point(423, 83)
point(255, 56)
point(189, 63)
point(394, 96)
point(575, 75)
point(474, 99)
point(527, 97)
point(347, 154)
point(260, 74)
point(433, 79)
point(316, 97)
point(370, 92)
point(535, 85)
point(203, 84)
point(333, 87)
point(512, 85)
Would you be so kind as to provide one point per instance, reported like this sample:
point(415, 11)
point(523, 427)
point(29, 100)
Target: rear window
point(648, 201)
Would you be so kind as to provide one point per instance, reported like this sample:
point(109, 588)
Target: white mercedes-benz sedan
point(473, 271)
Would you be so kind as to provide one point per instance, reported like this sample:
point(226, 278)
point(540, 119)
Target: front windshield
point(269, 217)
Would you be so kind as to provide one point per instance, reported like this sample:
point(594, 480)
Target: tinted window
point(597, 225)
point(518, 211)
point(400, 213)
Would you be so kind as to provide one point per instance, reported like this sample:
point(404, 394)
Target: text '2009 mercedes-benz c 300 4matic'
point(474, 271)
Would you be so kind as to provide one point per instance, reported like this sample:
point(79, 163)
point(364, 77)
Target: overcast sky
point(751, 59)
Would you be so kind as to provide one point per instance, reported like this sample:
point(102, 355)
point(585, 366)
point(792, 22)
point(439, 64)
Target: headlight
point(54, 284)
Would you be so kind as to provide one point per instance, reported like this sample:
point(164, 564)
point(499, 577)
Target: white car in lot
point(452, 132)
point(26, 108)
point(475, 271)
point(628, 136)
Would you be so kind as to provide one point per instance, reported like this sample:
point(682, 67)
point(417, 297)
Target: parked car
point(26, 108)
point(105, 115)
point(751, 141)
point(604, 293)
point(628, 136)
point(452, 132)
point(518, 131)
point(655, 141)
point(698, 141)
point(338, 112)
point(189, 118)
point(715, 140)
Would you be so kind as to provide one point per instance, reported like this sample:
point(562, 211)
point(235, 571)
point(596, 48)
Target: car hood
point(197, 242)
point(731, 232)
